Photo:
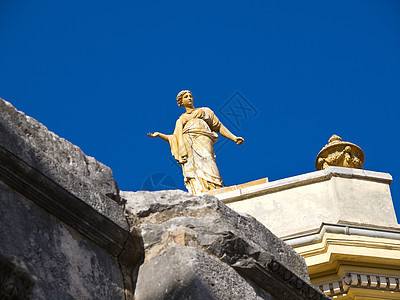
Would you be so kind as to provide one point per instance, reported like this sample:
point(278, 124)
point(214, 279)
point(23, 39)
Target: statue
point(192, 144)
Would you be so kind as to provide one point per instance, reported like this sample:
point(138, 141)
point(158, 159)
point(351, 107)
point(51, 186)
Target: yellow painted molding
point(369, 294)
point(354, 266)
point(362, 286)
point(351, 247)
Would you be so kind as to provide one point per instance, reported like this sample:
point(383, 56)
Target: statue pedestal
point(301, 203)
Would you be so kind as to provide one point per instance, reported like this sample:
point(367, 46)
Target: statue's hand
point(239, 140)
point(153, 135)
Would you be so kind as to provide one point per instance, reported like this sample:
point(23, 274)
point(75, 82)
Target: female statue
point(192, 144)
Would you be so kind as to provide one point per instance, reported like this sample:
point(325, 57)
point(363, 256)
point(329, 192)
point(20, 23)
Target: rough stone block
point(61, 161)
point(176, 224)
point(187, 273)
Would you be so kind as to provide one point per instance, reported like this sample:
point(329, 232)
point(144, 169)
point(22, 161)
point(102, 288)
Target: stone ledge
point(59, 202)
point(316, 236)
point(300, 180)
point(337, 253)
point(237, 187)
point(277, 280)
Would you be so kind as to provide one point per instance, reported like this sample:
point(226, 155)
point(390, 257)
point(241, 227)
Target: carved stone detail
point(303, 290)
point(340, 154)
point(341, 287)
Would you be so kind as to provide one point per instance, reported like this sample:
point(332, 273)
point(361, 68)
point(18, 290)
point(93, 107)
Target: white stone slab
point(302, 203)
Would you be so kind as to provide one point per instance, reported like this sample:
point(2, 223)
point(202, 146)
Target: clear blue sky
point(102, 74)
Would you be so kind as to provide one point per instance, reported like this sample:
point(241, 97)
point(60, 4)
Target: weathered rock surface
point(208, 245)
point(188, 273)
point(61, 161)
point(53, 261)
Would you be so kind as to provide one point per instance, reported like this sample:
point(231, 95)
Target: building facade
point(340, 219)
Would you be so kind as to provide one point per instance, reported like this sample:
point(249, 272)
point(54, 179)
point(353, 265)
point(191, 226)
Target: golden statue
point(192, 144)
point(341, 154)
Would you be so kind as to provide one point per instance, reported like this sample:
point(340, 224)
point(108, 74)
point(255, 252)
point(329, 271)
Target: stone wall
point(61, 230)
point(61, 262)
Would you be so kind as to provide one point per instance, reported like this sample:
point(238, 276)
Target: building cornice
point(316, 236)
point(300, 180)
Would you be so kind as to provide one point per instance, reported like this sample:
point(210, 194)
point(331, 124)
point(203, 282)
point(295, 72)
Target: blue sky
point(102, 74)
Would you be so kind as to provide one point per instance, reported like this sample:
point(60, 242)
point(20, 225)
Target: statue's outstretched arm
point(162, 136)
point(226, 133)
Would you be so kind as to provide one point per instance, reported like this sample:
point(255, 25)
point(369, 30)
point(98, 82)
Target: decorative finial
point(334, 139)
point(340, 154)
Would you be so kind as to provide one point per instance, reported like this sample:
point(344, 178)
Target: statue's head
point(180, 96)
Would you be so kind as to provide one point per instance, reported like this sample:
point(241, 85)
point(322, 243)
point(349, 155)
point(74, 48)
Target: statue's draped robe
point(194, 138)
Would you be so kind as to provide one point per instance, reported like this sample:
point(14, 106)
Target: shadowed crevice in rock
point(15, 280)
point(130, 259)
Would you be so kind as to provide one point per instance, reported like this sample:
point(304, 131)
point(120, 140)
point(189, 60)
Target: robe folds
point(192, 145)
